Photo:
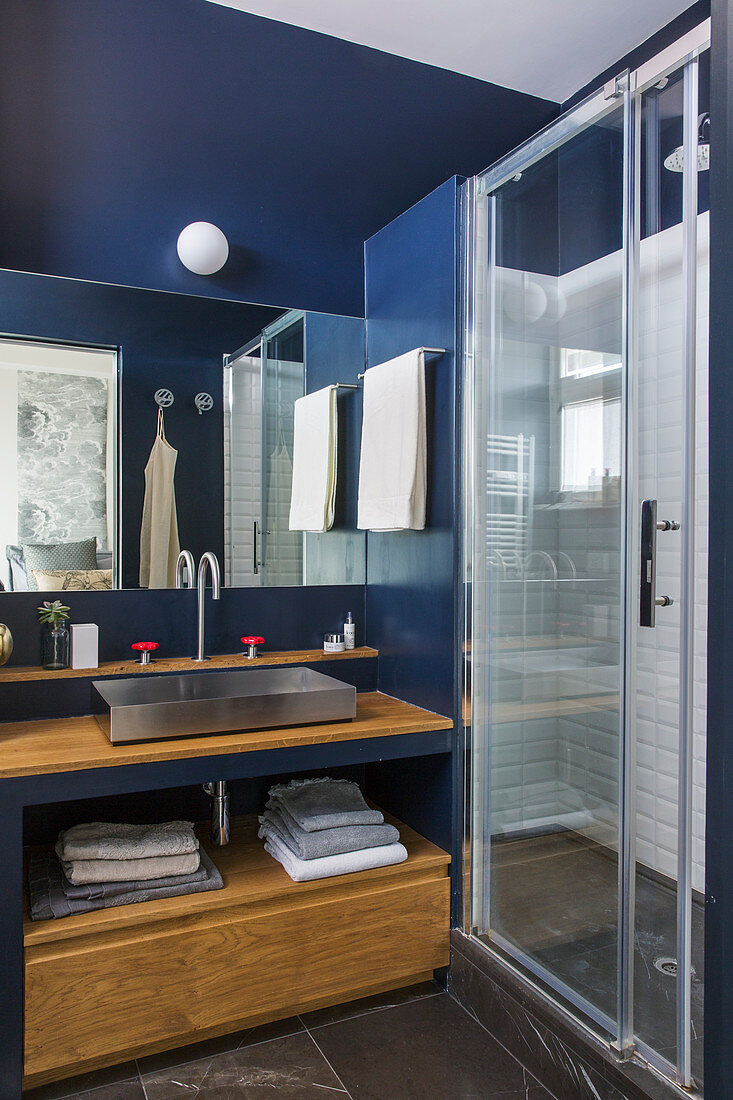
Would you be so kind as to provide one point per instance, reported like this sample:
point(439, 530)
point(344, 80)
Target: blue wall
point(411, 301)
point(123, 120)
point(412, 583)
point(171, 340)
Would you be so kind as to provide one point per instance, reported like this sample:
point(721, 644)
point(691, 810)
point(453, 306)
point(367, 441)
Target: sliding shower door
point(547, 649)
point(587, 293)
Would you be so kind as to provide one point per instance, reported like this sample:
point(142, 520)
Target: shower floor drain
point(666, 966)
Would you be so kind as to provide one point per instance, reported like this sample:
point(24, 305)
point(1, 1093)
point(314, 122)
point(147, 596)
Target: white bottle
point(349, 631)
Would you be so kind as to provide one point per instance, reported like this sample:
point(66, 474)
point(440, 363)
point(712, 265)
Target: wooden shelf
point(153, 976)
point(76, 744)
point(23, 673)
point(251, 877)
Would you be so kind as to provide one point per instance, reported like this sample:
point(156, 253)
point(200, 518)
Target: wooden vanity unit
point(103, 987)
point(143, 978)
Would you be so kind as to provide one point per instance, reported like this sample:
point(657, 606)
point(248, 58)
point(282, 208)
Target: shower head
point(675, 162)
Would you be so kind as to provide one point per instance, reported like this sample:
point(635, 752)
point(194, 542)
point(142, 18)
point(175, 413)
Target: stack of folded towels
point(317, 828)
point(99, 865)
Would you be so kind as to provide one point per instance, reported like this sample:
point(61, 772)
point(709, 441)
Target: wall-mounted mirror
point(80, 364)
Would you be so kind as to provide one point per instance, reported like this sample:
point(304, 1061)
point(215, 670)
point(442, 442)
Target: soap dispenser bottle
point(349, 631)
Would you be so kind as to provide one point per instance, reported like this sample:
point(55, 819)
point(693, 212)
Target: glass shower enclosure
point(585, 477)
point(262, 382)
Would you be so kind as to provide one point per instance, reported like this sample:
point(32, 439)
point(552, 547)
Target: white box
point(84, 645)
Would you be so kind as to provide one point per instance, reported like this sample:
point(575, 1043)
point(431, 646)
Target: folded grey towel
point(102, 840)
point(91, 891)
point(51, 896)
point(79, 871)
point(323, 804)
point(326, 842)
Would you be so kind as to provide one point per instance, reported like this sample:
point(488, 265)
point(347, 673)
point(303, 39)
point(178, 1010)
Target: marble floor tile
point(209, 1048)
point(291, 1066)
point(91, 1084)
point(557, 901)
point(370, 1004)
point(123, 1090)
point(427, 1048)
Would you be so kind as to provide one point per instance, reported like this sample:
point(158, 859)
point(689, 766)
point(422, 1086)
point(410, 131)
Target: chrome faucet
point(209, 560)
point(185, 565)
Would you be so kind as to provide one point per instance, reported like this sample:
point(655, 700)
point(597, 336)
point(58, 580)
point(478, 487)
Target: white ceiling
point(549, 48)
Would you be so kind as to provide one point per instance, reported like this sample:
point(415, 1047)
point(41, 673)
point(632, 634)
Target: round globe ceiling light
point(202, 248)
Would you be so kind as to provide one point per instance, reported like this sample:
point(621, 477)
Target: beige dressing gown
point(159, 546)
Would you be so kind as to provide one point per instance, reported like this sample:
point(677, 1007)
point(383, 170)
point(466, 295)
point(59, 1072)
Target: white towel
point(304, 870)
point(315, 451)
point(393, 470)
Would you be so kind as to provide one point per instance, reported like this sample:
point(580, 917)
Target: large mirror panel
point(80, 367)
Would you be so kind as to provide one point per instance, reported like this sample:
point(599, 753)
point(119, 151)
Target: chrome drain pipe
point(220, 822)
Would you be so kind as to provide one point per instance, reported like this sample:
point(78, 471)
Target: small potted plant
point(53, 617)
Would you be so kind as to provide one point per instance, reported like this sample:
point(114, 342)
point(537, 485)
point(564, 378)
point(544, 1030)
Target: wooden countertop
point(76, 744)
point(251, 876)
point(23, 673)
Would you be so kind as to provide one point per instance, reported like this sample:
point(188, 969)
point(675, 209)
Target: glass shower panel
point(659, 663)
point(546, 651)
point(283, 382)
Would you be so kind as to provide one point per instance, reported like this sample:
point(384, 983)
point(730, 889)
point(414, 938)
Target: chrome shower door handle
point(648, 599)
point(255, 555)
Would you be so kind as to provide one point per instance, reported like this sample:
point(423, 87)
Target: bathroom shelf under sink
point(144, 978)
point(251, 876)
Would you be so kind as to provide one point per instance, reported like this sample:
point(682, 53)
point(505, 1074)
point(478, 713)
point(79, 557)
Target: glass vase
point(55, 645)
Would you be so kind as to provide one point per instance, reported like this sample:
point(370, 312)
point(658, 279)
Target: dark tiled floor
point(557, 900)
point(412, 1044)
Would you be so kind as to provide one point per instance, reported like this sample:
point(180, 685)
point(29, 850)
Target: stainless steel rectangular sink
point(153, 708)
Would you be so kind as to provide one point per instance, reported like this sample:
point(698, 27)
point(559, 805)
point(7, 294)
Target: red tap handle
point(252, 639)
point(144, 647)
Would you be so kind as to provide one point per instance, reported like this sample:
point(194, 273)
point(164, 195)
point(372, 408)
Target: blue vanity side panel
point(411, 301)
point(11, 944)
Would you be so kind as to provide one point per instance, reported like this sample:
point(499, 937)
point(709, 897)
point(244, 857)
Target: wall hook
point(164, 398)
point(204, 402)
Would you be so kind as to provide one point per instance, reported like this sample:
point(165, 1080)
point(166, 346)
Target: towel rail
point(432, 352)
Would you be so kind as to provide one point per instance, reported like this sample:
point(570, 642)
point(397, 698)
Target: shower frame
point(479, 223)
